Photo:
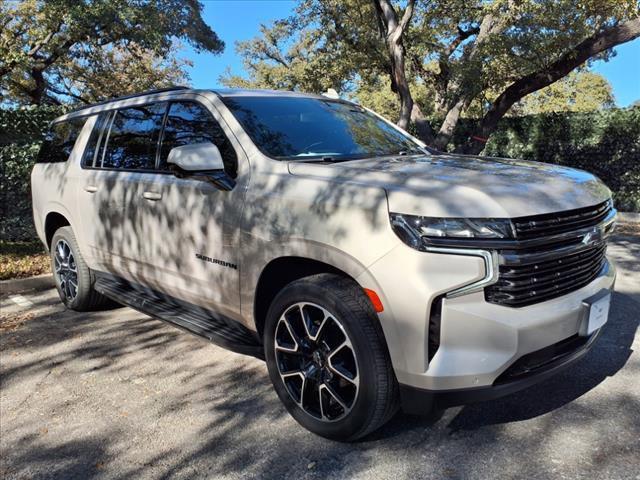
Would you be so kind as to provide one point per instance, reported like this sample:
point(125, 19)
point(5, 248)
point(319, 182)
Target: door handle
point(90, 188)
point(152, 195)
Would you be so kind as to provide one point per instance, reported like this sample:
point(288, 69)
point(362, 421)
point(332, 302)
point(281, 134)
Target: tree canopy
point(95, 48)
point(440, 59)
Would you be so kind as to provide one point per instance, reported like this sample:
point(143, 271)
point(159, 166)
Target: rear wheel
point(73, 278)
point(327, 357)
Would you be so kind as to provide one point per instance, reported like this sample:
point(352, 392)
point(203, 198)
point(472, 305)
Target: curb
point(628, 217)
point(19, 285)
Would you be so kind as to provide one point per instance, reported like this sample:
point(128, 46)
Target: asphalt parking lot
point(116, 394)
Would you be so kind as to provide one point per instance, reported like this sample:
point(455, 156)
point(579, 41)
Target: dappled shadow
point(194, 410)
point(204, 412)
point(629, 257)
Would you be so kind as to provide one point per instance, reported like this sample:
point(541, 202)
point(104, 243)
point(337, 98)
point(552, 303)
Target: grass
point(22, 259)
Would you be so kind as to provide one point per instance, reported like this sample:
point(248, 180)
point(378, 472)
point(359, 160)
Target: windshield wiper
point(403, 153)
point(310, 159)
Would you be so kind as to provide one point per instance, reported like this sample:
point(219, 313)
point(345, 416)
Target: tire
point(342, 393)
point(67, 264)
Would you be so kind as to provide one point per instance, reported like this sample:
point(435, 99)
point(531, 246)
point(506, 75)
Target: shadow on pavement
point(218, 416)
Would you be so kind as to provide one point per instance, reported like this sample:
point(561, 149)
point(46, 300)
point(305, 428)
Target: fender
point(308, 249)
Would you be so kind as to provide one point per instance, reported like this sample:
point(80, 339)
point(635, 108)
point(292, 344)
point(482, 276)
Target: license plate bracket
point(596, 312)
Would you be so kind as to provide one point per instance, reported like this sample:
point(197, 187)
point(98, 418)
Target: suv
point(367, 270)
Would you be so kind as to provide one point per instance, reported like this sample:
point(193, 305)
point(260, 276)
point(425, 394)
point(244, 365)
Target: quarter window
point(188, 123)
point(59, 141)
point(133, 138)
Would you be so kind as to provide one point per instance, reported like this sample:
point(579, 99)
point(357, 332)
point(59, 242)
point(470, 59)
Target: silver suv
point(367, 270)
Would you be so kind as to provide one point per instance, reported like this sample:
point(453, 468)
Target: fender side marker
point(375, 300)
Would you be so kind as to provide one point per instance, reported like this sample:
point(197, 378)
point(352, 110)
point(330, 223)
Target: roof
point(160, 94)
point(248, 92)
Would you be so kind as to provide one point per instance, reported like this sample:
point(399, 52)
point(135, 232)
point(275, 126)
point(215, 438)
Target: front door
point(188, 229)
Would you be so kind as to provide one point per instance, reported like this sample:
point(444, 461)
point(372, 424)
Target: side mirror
point(197, 157)
point(200, 161)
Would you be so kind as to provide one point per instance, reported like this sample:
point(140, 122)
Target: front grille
point(522, 285)
point(553, 267)
point(553, 223)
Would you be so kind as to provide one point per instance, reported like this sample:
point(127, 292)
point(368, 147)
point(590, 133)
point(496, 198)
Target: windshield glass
point(304, 128)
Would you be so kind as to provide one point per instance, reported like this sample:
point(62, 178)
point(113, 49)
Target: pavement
point(116, 394)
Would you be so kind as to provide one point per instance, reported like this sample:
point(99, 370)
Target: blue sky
point(241, 19)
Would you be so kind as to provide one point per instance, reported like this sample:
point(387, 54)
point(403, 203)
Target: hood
point(466, 186)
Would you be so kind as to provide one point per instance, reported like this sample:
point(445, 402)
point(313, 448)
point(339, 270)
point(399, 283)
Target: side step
point(219, 330)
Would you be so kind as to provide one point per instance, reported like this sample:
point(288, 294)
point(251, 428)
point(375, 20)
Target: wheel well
point(279, 273)
point(52, 223)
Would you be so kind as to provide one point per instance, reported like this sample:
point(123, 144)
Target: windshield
point(304, 128)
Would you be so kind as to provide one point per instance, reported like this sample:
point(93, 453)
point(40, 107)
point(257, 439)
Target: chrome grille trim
point(555, 223)
point(548, 266)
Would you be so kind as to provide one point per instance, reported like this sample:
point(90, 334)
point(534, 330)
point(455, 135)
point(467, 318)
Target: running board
point(224, 332)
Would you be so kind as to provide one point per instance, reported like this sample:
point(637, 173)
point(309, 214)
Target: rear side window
point(190, 122)
point(59, 141)
point(133, 137)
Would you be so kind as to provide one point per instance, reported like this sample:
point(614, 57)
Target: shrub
point(605, 143)
point(21, 131)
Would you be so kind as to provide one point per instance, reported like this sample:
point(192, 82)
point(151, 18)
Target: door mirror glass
point(196, 157)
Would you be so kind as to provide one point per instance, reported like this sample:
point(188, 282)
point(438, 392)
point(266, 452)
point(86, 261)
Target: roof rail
point(133, 95)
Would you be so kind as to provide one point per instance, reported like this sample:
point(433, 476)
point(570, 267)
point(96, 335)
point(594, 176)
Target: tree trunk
point(535, 81)
point(36, 94)
point(423, 127)
point(393, 30)
point(396, 51)
point(449, 124)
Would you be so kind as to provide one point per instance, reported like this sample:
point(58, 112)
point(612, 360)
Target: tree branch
point(460, 37)
point(588, 48)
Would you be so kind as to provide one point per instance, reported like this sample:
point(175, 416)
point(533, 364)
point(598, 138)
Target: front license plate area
point(597, 312)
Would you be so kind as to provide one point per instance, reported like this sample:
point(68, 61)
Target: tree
point(479, 57)
point(580, 91)
point(62, 47)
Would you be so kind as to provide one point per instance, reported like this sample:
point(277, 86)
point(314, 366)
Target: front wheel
point(327, 358)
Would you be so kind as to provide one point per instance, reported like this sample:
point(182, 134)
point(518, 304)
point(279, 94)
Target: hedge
point(21, 131)
point(606, 143)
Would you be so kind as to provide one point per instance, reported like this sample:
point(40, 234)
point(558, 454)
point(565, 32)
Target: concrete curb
point(628, 217)
point(19, 285)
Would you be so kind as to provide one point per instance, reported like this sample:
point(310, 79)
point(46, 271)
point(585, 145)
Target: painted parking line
point(21, 301)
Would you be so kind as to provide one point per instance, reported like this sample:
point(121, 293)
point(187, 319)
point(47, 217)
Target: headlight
point(415, 231)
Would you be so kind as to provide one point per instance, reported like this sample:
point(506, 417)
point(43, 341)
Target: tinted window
point(296, 127)
point(59, 141)
point(189, 122)
point(133, 137)
point(94, 140)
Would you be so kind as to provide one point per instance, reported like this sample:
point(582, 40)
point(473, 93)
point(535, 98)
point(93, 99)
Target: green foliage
point(464, 53)
point(56, 49)
point(580, 91)
point(605, 143)
point(21, 131)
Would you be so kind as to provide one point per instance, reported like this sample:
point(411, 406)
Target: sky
point(235, 20)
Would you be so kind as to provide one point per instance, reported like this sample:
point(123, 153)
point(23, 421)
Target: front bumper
point(479, 341)
point(418, 401)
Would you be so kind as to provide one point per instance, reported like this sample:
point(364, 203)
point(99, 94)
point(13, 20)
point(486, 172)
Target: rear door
point(122, 148)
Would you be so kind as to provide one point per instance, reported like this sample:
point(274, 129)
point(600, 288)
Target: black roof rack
point(134, 95)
